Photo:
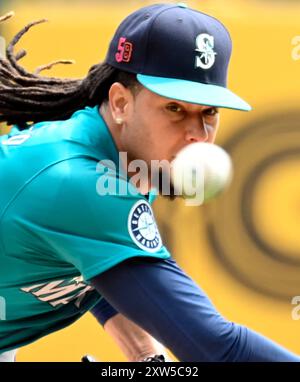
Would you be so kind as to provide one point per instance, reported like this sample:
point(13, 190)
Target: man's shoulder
point(80, 128)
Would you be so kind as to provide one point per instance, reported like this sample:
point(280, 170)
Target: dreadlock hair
point(27, 98)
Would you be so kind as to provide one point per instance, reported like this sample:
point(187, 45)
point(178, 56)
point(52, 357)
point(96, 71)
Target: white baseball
point(200, 172)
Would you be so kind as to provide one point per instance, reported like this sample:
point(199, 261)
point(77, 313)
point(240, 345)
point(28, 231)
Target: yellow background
point(263, 72)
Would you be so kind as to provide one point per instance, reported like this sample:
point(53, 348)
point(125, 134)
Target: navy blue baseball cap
point(178, 53)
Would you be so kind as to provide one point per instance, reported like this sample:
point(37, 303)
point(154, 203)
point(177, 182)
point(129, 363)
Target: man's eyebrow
point(186, 105)
point(210, 107)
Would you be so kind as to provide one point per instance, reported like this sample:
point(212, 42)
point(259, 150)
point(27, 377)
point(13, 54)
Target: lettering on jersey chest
point(60, 292)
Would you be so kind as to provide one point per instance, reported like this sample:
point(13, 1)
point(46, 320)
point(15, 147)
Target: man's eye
point(211, 111)
point(174, 108)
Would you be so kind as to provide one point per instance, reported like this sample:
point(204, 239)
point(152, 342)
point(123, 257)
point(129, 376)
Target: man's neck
point(143, 186)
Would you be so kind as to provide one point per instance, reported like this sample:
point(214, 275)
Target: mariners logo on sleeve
point(142, 227)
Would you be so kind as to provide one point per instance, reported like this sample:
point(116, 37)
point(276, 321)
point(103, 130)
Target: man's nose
point(196, 131)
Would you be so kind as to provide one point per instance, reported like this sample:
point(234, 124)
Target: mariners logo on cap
point(142, 227)
point(205, 46)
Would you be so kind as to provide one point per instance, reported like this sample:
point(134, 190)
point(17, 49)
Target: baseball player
point(67, 247)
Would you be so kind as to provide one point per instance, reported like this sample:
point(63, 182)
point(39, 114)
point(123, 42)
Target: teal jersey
point(58, 229)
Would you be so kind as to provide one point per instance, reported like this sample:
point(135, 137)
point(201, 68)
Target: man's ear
point(120, 99)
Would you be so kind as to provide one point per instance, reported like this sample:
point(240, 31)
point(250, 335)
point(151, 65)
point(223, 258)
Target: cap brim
point(193, 92)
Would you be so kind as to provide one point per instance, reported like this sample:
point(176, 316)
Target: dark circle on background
point(280, 279)
point(248, 217)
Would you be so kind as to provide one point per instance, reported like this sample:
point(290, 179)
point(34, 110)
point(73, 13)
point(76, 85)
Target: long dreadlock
point(28, 97)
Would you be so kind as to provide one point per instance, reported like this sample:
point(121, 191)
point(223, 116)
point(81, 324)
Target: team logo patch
point(205, 46)
point(142, 227)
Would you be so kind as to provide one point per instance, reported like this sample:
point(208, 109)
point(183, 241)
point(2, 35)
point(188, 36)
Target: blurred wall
point(244, 247)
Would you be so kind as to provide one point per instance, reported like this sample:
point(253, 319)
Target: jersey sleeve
point(89, 218)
